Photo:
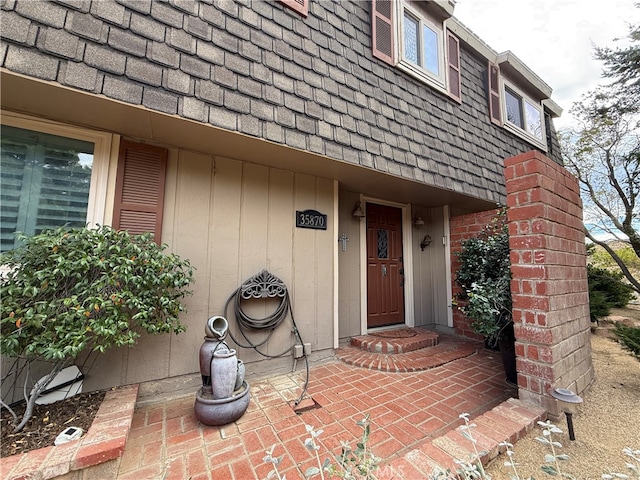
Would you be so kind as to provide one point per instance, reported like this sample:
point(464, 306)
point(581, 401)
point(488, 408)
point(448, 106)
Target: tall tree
point(622, 65)
point(604, 153)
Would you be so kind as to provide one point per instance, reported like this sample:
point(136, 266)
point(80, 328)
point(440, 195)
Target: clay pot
point(224, 370)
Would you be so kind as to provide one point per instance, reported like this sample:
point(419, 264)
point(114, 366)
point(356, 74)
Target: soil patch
point(47, 422)
point(632, 311)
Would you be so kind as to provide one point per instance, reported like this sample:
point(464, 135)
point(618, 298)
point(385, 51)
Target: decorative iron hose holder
point(224, 395)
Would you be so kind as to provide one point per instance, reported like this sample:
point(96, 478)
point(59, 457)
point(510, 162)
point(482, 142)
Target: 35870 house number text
point(311, 219)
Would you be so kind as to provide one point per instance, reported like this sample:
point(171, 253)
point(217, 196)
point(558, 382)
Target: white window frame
point(438, 81)
point(98, 190)
point(516, 129)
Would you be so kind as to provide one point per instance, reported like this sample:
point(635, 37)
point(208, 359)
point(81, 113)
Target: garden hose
point(262, 286)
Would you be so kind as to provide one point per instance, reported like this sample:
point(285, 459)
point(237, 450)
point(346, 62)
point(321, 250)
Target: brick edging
point(509, 421)
point(104, 441)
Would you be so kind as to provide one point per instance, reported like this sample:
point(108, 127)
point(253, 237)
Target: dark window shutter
point(453, 59)
point(382, 30)
point(140, 182)
point(494, 93)
point(300, 6)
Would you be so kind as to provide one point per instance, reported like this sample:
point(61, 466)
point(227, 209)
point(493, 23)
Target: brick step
point(401, 340)
point(448, 349)
point(508, 422)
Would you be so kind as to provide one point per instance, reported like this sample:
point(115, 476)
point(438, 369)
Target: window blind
point(44, 183)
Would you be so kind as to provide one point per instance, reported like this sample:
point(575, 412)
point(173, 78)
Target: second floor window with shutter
point(410, 36)
point(523, 115)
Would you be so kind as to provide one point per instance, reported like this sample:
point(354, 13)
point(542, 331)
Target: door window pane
point(430, 42)
point(44, 182)
point(383, 243)
point(411, 39)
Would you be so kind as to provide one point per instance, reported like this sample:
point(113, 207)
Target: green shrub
point(606, 290)
point(484, 275)
point(71, 290)
point(629, 338)
point(598, 305)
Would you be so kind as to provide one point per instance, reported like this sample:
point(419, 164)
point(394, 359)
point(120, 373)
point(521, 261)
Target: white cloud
point(555, 38)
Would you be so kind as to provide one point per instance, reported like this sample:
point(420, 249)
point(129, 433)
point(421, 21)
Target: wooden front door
point(385, 273)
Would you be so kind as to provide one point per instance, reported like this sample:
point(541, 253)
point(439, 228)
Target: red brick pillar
point(549, 285)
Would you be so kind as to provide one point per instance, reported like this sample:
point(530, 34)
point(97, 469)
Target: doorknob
point(384, 270)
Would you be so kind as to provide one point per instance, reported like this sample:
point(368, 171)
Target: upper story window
point(411, 36)
point(422, 44)
point(523, 113)
point(515, 110)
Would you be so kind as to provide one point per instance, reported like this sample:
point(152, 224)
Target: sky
point(554, 38)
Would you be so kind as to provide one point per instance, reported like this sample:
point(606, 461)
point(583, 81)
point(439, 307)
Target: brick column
point(549, 285)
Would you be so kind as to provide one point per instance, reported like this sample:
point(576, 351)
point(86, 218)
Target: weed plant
point(357, 463)
point(361, 464)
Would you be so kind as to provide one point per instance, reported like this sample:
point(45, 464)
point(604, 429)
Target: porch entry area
point(385, 271)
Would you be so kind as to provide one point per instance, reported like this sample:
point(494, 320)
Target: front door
point(385, 274)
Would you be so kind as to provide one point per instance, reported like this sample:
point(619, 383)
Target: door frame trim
point(407, 261)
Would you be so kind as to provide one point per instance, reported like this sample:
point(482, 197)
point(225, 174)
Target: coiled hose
point(261, 286)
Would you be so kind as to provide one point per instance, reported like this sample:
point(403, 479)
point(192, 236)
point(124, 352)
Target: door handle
point(384, 270)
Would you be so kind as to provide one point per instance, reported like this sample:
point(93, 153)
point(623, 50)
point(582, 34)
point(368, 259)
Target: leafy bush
point(485, 278)
point(70, 290)
point(629, 338)
point(606, 290)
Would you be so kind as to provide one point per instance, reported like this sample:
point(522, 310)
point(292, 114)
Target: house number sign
point(311, 219)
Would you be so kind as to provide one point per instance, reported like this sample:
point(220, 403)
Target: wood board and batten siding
point(431, 295)
point(232, 219)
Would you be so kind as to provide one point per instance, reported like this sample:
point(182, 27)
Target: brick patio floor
point(408, 412)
